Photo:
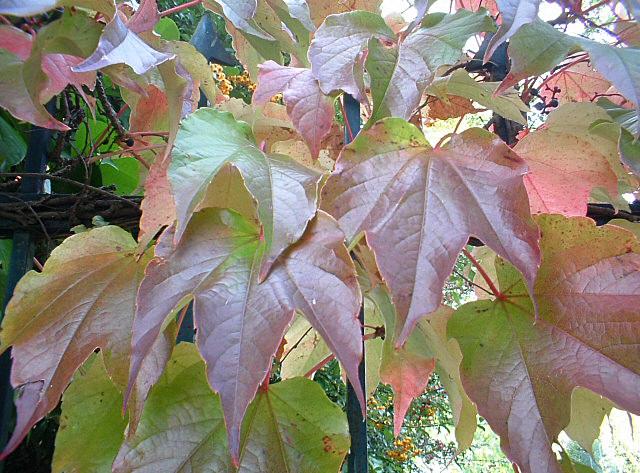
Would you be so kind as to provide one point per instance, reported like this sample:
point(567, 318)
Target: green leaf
point(5, 261)
point(535, 49)
point(167, 29)
point(13, 148)
point(461, 84)
point(124, 173)
point(408, 369)
point(399, 73)
point(91, 423)
point(588, 411)
point(520, 369)
point(83, 299)
point(291, 426)
point(206, 141)
point(620, 65)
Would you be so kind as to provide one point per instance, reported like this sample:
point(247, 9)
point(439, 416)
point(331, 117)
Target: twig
point(179, 8)
point(97, 190)
point(485, 276)
point(110, 112)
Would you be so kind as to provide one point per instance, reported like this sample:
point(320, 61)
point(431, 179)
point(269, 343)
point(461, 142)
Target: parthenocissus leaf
point(337, 45)
point(207, 140)
point(514, 14)
point(419, 206)
point(399, 73)
point(240, 322)
point(521, 372)
point(83, 299)
point(567, 160)
point(310, 110)
point(119, 45)
point(91, 422)
point(407, 369)
point(291, 426)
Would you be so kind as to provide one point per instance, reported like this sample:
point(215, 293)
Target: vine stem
point(97, 190)
point(124, 151)
point(346, 121)
point(179, 8)
point(485, 276)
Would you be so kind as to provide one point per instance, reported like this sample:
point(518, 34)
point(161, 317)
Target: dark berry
point(539, 106)
point(129, 142)
point(553, 103)
point(533, 91)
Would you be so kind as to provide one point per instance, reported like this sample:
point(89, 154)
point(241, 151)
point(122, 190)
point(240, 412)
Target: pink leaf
point(119, 45)
point(16, 41)
point(310, 110)
point(240, 322)
point(419, 206)
point(145, 18)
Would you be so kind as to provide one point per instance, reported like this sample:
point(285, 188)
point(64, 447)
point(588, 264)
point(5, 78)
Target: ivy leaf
point(304, 349)
point(515, 14)
point(475, 5)
point(300, 11)
point(520, 371)
point(207, 140)
point(241, 13)
point(588, 411)
point(567, 160)
point(310, 110)
point(82, 300)
point(577, 83)
point(321, 9)
point(119, 45)
point(16, 41)
point(620, 65)
point(183, 419)
point(400, 73)
point(241, 322)
point(408, 369)
point(536, 48)
point(145, 18)
point(58, 69)
point(461, 84)
point(15, 97)
point(91, 422)
point(336, 46)
point(389, 184)
point(36, 7)
point(14, 147)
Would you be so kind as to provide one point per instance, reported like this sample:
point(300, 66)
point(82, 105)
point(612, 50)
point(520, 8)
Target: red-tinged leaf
point(241, 14)
point(514, 13)
point(15, 97)
point(419, 206)
point(567, 160)
point(290, 427)
point(577, 83)
point(475, 5)
point(119, 45)
point(82, 300)
point(621, 66)
point(310, 110)
point(145, 17)
point(240, 322)
point(36, 7)
point(158, 207)
point(209, 139)
point(336, 46)
point(453, 107)
point(321, 9)
point(400, 73)
point(16, 41)
point(57, 68)
point(521, 371)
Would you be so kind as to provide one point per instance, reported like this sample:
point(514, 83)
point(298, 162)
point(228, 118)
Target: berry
point(533, 91)
point(553, 103)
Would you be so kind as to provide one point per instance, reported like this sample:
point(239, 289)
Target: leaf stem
point(179, 8)
point(485, 276)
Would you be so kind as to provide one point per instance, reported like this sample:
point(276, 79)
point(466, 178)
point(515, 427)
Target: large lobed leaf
point(568, 159)
point(209, 139)
point(83, 299)
point(240, 321)
point(291, 426)
point(521, 371)
point(310, 110)
point(418, 207)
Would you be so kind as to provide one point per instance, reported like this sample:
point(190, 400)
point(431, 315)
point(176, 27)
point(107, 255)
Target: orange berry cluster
point(243, 80)
point(405, 449)
point(220, 77)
